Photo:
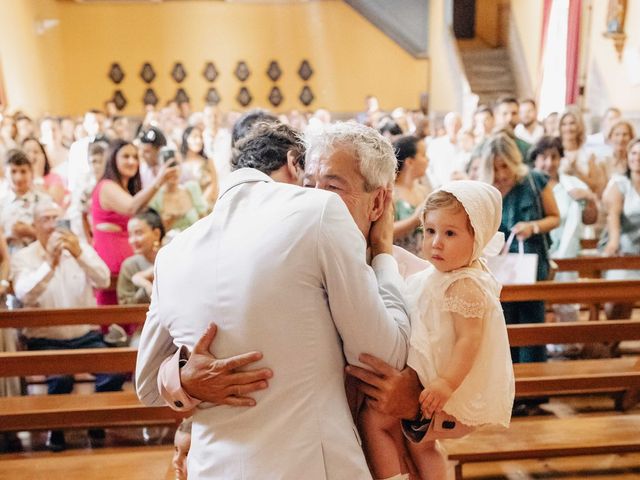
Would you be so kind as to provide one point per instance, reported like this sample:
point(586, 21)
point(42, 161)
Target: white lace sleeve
point(465, 298)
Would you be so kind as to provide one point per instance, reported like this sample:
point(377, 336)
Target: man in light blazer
point(282, 270)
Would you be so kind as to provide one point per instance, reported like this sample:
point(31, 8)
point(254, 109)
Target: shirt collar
point(30, 196)
point(243, 175)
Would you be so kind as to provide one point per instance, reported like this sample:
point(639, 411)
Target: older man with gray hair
point(290, 280)
point(60, 271)
point(355, 162)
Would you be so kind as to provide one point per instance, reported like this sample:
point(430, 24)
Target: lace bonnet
point(483, 204)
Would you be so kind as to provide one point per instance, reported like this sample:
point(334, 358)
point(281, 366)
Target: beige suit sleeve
point(366, 303)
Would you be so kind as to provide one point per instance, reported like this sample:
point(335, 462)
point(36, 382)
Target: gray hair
point(44, 205)
point(376, 159)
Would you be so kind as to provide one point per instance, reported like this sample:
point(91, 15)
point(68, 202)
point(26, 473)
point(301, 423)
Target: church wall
point(66, 70)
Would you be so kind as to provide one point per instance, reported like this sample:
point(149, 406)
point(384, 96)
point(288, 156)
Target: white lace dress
point(486, 394)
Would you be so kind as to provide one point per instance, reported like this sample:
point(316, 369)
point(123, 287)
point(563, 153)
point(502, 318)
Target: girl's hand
point(434, 397)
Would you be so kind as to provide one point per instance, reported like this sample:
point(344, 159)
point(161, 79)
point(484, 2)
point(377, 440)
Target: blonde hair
point(575, 112)
point(504, 146)
point(439, 200)
point(619, 123)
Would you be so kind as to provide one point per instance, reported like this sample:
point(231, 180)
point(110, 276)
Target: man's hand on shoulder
point(218, 380)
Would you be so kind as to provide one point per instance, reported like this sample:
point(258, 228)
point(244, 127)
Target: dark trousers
point(58, 384)
point(525, 312)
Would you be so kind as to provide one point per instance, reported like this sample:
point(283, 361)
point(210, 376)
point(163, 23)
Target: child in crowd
point(18, 206)
point(459, 346)
point(182, 444)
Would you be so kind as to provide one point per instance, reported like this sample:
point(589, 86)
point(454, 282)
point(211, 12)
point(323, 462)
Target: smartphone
point(168, 155)
point(63, 224)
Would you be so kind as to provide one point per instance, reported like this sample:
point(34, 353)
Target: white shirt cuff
point(384, 263)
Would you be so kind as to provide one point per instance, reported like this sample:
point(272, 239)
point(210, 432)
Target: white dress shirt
point(68, 285)
point(530, 137)
point(78, 169)
point(281, 270)
point(16, 208)
point(445, 158)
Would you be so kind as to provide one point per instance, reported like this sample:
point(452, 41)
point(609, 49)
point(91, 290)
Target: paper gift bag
point(514, 268)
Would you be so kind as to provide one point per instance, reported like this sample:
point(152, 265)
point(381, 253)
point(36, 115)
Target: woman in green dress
point(530, 211)
point(408, 193)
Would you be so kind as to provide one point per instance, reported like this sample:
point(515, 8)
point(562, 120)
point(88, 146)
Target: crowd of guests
point(86, 205)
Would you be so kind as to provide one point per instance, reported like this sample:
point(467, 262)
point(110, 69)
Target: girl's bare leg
point(428, 460)
point(382, 441)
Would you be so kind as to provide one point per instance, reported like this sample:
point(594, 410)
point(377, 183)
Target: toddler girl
point(459, 346)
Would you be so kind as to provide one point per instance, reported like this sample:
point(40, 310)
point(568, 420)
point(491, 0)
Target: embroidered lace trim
point(462, 307)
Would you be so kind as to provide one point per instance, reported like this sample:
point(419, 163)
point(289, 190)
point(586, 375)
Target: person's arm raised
point(113, 197)
point(366, 303)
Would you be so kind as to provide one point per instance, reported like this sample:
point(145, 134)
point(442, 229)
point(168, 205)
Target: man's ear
point(378, 197)
point(293, 168)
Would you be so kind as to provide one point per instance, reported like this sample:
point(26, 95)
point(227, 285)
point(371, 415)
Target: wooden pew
point(75, 410)
point(593, 267)
point(584, 290)
point(105, 315)
point(148, 462)
point(551, 378)
point(581, 291)
point(576, 376)
point(546, 438)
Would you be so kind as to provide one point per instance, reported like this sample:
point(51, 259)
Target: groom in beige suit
point(282, 271)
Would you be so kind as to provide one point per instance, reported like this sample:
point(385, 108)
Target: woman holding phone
point(179, 204)
point(117, 197)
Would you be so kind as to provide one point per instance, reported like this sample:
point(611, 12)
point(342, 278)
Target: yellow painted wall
point(31, 63)
point(613, 77)
point(350, 57)
point(527, 15)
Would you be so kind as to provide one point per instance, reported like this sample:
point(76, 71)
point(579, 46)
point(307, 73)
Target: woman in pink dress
point(116, 198)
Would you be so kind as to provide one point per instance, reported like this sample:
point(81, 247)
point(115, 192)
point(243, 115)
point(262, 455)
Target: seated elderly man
point(296, 286)
point(59, 271)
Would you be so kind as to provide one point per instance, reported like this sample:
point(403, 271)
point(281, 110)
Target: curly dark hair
point(265, 147)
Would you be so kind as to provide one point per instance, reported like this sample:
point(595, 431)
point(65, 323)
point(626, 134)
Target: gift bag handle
point(507, 245)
